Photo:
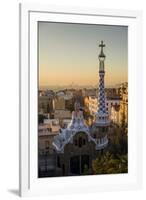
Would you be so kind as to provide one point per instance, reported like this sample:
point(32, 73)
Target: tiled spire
point(101, 94)
point(102, 114)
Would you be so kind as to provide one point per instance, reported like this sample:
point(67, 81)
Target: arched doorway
point(84, 163)
point(78, 164)
point(75, 165)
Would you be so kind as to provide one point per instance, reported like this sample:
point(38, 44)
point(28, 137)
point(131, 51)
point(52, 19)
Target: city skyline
point(68, 54)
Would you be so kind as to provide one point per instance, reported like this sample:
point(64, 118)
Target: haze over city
point(68, 54)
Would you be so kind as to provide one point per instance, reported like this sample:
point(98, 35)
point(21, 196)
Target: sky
point(68, 54)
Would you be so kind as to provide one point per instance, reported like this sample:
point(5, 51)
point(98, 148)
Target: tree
point(118, 142)
point(110, 164)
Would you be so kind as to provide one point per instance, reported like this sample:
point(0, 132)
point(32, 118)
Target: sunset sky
point(68, 53)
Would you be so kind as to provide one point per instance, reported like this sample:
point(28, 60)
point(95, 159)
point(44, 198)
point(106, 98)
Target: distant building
point(92, 103)
point(49, 93)
point(65, 123)
point(46, 156)
point(62, 114)
point(112, 92)
point(46, 133)
point(112, 102)
point(59, 103)
point(63, 100)
point(119, 114)
point(115, 114)
point(89, 92)
point(124, 103)
point(45, 104)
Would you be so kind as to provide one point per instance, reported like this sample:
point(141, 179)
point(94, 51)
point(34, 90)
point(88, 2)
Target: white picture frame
point(29, 184)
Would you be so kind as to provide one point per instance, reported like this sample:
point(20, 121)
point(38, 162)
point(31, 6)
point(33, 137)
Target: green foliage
point(110, 164)
point(115, 160)
point(118, 142)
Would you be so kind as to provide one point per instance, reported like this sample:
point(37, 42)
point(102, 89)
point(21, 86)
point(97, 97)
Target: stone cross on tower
point(102, 45)
point(101, 57)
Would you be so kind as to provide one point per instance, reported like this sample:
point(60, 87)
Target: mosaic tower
point(100, 126)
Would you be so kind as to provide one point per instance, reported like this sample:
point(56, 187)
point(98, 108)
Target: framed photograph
point(80, 100)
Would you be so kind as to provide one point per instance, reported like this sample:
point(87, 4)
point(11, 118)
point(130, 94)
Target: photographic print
point(82, 99)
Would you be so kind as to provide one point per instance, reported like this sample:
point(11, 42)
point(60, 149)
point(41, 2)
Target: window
point(75, 142)
point(50, 129)
point(80, 142)
point(103, 129)
point(47, 143)
point(84, 141)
